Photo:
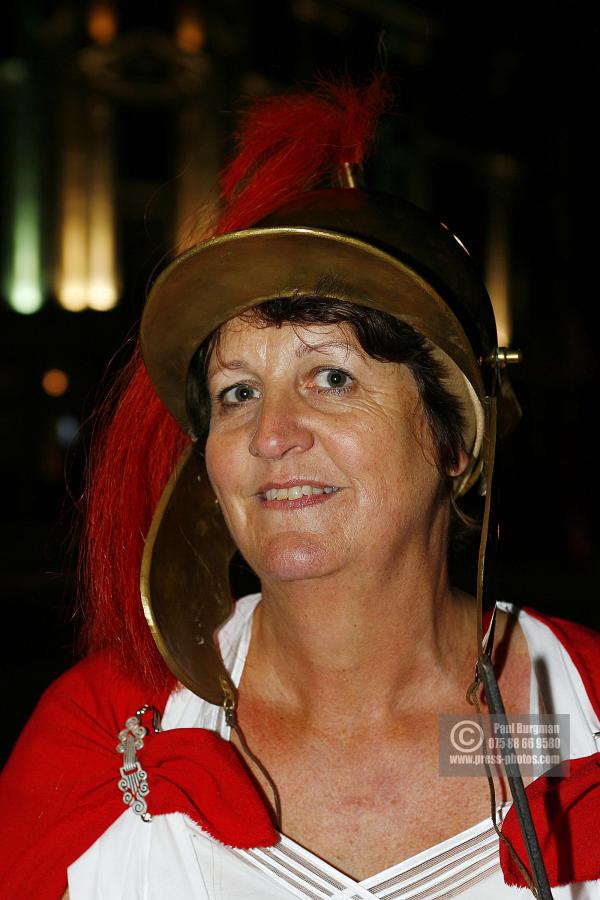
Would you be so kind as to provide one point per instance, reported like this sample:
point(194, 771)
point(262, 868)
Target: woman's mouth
point(295, 496)
point(299, 490)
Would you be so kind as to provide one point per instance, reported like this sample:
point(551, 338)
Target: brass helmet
point(369, 249)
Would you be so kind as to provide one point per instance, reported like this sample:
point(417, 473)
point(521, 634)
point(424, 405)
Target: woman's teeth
point(299, 490)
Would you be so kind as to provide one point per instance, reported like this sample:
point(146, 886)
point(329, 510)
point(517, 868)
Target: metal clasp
point(134, 780)
point(228, 702)
point(502, 357)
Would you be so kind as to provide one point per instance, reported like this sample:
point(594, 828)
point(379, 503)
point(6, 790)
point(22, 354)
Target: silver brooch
point(134, 780)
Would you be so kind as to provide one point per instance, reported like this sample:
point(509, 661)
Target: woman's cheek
point(219, 467)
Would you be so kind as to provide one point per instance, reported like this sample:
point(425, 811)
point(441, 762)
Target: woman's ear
point(461, 464)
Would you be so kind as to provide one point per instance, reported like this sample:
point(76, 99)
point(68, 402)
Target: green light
point(25, 293)
point(25, 290)
point(25, 299)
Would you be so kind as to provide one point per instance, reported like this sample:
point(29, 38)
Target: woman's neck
point(364, 641)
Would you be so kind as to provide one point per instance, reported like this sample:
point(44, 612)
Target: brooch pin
point(134, 780)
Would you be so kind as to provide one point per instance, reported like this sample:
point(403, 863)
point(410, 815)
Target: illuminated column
point(71, 280)
point(87, 272)
point(102, 286)
point(24, 288)
point(87, 276)
point(497, 258)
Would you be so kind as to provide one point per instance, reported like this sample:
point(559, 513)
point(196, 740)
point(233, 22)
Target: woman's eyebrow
point(230, 364)
point(305, 348)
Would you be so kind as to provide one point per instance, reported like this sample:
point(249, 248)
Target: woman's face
point(319, 455)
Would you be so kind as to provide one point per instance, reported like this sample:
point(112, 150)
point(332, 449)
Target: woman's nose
point(280, 429)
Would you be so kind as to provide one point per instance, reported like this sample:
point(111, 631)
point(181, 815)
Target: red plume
point(135, 451)
point(286, 145)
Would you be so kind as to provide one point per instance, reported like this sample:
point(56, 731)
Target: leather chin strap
point(485, 675)
point(489, 457)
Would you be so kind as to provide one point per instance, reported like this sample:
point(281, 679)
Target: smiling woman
point(320, 384)
point(295, 429)
point(315, 410)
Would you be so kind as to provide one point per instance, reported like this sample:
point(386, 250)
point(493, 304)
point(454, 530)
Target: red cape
point(565, 810)
point(59, 793)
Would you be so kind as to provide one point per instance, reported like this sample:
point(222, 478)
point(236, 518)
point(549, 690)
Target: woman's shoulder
point(93, 696)
point(548, 635)
point(520, 609)
point(63, 786)
point(574, 637)
point(579, 642)
point(52, 795)
point(99, 684)
point(75, 727)
point(565, 659)
point(87, 706)
point(567, 631)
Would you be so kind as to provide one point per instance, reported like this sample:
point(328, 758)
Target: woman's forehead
point(252, 336)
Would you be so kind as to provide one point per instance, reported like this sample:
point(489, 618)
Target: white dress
point(173, 859)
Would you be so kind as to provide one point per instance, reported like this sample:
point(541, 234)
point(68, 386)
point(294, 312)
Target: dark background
point(494, 131)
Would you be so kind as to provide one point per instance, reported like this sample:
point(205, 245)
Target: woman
point(333, 367)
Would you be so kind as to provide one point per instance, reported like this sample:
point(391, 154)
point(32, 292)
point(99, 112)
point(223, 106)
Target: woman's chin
point(288, 557)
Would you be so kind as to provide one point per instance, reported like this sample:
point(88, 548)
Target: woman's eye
point(334, 380)
point(239, 393)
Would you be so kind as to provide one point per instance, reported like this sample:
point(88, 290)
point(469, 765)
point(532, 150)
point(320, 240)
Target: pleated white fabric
point(173, 859)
